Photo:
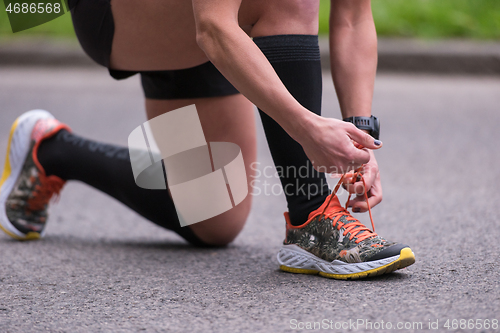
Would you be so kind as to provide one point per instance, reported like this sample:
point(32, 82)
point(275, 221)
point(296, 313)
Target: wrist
point(300, 124)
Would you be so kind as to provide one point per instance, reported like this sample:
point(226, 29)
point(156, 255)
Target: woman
point(179, 47)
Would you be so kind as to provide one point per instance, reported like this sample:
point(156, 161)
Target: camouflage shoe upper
point(331, 233)
point(27, 203)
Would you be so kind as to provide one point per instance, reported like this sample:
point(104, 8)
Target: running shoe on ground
point(25, 190)
point(336, 245)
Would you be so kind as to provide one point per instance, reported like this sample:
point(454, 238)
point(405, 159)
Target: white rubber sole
point(294, 259)
point(17, 151)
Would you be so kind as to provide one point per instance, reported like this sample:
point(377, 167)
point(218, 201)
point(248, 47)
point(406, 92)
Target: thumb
point(364, 139)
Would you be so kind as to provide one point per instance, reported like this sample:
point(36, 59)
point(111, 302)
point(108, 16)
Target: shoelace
point(354, 227)
point(44, 191)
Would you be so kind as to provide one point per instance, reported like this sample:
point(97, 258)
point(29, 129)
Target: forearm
point(243, 64)
point(353, 56)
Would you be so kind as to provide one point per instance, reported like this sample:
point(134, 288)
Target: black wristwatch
point(371, 124)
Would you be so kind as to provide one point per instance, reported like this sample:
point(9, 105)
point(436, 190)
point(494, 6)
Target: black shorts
point(94, 27)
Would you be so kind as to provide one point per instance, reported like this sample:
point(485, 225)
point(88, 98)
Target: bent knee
point(224, 228)
point(219, 234)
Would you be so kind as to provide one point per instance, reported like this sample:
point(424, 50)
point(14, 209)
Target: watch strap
point(370, 124)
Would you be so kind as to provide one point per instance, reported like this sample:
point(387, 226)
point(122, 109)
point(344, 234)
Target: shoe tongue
point(334, 202)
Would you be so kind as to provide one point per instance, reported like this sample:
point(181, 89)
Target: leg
point(137, 45)
point(107, 168)
point(296, 19)
point(329, 232)
point(288, 39)
point(224, 119)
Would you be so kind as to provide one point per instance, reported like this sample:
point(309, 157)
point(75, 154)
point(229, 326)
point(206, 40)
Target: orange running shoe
point(25, 190)
point(334, 244)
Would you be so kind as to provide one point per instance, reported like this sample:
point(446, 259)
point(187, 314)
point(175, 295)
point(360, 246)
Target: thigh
point(154, 35)
point(224, 119)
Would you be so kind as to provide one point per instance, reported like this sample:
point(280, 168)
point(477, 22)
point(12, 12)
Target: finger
point(357, 185)
point(364, 181)
point(348, 179)
point(346, 182)
point(357, 145)
point(357, 188)
point(370, 177)
point(356, 158)
point(362, 138)
point(359, 204)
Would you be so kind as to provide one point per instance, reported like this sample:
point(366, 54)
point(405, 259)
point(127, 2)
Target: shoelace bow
point(44, 191)
point(354, 226)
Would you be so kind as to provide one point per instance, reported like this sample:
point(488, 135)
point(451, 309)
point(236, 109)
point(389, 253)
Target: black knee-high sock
point(296, 60)
point(108, 169)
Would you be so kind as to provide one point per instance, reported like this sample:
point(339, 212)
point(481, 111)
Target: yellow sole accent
point(406, 258)
point(29, 236)
point(7, 170)
point(298, 270)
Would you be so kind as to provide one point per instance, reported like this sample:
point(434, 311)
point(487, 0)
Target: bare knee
point(224, 228)
point(288, 17)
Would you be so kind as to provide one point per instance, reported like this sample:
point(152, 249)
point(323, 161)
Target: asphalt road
point(102, 268)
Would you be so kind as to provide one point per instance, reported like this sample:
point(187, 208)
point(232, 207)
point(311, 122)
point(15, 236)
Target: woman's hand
point(331, 145)
point(372, 186)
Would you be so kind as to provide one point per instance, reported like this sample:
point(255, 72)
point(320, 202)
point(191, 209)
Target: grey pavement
point(395, 55)
point(102, 268)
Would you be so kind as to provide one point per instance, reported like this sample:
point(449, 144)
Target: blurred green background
point(427, 19)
